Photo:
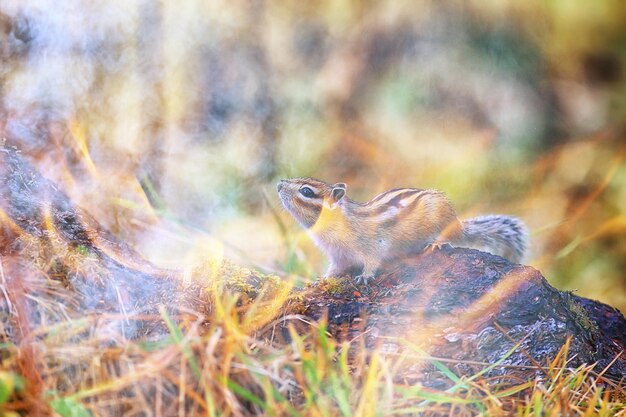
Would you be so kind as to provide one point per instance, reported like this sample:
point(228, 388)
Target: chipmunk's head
point(305, 198)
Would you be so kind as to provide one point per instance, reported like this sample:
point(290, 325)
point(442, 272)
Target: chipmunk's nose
point(280, 185)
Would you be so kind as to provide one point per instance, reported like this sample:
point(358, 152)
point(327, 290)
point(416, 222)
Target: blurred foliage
point(170, 122)
point(9, 384)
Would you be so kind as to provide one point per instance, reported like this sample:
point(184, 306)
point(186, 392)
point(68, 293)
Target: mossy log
point(476, 309)
point(463, 306)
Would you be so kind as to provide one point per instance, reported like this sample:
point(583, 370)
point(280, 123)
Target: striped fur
point(360, 236)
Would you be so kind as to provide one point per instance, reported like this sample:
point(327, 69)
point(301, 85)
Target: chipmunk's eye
point(307, 192)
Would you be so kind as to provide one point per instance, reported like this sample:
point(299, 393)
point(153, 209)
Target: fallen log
point(474, 308)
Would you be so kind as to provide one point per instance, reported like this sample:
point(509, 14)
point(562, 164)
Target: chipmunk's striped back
point(392, 204)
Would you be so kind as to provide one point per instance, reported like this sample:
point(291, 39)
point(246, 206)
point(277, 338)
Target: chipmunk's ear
point(338, 191)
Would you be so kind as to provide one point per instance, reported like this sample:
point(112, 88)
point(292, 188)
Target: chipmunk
point(394, 223)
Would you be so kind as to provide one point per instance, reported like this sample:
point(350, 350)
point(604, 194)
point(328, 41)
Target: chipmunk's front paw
point(363, 279)
point(437, 246)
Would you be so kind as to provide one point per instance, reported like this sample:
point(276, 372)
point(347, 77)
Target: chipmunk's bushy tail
point(505, 236)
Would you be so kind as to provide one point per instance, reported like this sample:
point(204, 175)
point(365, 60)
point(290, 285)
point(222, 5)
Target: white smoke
point(66, 44)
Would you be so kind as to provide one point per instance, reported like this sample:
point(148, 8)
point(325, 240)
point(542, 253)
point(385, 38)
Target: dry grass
point(234, 359)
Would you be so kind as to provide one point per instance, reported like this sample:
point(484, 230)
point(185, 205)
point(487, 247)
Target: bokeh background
point(170, 122)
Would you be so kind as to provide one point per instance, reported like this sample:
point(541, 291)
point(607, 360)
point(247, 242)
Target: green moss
point(224, 275)
point(581, 316)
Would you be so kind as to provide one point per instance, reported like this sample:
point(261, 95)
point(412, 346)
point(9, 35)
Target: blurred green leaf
point(68, 407)
point(152, 345)
point(9, 383)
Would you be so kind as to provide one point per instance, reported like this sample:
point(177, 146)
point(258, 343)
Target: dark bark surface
point(462, 305)
point(471, 306)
